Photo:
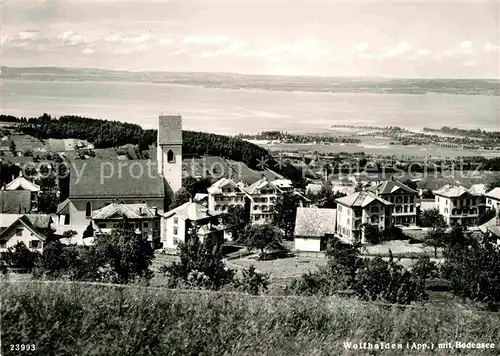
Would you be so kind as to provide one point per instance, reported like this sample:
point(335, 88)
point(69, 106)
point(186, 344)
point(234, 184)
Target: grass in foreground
point(71, 319)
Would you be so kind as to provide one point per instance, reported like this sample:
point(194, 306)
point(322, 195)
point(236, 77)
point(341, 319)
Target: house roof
point(200, 196)
point(478, 189)
point(487, 225)
point(283, 183)
point(33, 223)
point(129, 211)
point(191, 211)
point(257, 186)
point(389, 187)
point(89, 179)
point(361, 199)
point(452, 191)
point(21, 183)
point(7, 219)
point(494, 193)
point(216, 188)
point(170, 130)
point(315, 222)
point(15, 201)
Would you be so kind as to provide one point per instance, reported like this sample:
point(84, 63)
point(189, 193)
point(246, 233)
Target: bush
point(19, 256)
point(387, 281)
point(252, 282)
point(201, 265)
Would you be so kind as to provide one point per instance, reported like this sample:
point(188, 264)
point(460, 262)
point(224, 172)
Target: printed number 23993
point(22, 347)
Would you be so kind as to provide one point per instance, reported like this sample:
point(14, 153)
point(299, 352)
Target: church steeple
point(169, 150)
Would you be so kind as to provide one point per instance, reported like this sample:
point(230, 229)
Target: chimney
point(392, 178)
point(155, 210)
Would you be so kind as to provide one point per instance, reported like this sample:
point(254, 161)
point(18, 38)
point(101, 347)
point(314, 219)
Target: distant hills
point(263, 82)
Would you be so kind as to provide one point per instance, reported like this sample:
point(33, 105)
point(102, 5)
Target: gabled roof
point(257, 186)
point(361, 199)
point(7, 219)
point(283, 183)
point(216, 188)
point(15, 201)
point(170, 130)
point(389, 187)
point(490, 223)
point(129, 211)
point(315, 222)
point(478, 189)
point(88, 179)
point(32, 222)
point(191, 211)
point(21, 183)
point(200, 197)
point(63, 207)
point(494, 193)
point(453, 191)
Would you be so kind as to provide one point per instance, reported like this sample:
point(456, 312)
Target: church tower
point(169, 150)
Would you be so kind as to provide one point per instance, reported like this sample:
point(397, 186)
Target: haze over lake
point(232, 111)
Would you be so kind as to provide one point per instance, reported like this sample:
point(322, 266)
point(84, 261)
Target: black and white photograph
point(249, 177)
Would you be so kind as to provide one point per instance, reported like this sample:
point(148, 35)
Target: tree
point(343, 260)
point(180, 197)
point(432, 218)
point(19, 256)
point(237, 220)
point(127, 254)
point(372, 233)
point(411, 184)
point(436, 237)
point(264, 237)
point(201, 264)
point(472, 265)
point(285, 212)
point(13, 148)
point(54, 260)
point(252, 281)
point(47, 202)
point(387, 281)
point(196, 185)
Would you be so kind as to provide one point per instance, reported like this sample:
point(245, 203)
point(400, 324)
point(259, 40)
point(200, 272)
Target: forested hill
point(105, 133)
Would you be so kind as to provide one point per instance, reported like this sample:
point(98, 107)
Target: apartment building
point(225, 193)
point(263, 195)
point(404, 199)
point(355, 210)
point(459, 205)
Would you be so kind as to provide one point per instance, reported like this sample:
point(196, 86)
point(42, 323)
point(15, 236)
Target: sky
point(428, 39)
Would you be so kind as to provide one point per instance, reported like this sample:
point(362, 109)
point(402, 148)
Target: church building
point(97, 183)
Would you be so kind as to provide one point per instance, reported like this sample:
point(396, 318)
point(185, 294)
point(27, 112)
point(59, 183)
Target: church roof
point(116, 179)
point(170, 130)
point(15, 201)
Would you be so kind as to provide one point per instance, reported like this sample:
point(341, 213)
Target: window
point(374, 209)
point(19, 232)
point(489, 201)
point(405, 199)
point(34, 244)
point(374, 219)
point(170, 156)
point(405, 208)
point(3, 244)
point(175, 230)
point(411, 208)
point(340, 208)
point(102, 226)
point(157, 224)
point(398, 208)
point(399, 200)
point(473, 201)
point(88, 209)
point(176, 221)
point(176, 241)
point(145, 224)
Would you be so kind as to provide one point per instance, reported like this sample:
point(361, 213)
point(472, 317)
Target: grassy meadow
point(76, 319)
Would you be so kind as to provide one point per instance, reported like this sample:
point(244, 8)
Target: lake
point(231, 111)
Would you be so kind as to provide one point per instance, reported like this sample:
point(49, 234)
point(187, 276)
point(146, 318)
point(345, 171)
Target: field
point(71, 319)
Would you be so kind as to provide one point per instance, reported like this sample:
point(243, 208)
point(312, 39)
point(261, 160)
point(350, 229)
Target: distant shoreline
point(228, 81)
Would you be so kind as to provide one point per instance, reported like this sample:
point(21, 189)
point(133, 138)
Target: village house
point(404, 199)
point(30, 229)
point(313, 228)
point(458, 205)
point(263, 196)
point(225, 193)
point(145, 220)
point(493, 199)
point(178, 225)
point(358, 209)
